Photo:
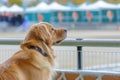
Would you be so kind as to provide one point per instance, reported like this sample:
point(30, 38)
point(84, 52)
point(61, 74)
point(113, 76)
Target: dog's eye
point(52, 29)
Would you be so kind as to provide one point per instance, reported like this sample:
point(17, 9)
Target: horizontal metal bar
point(71, 42)
point(10, 41)
point(89, 72)
point(92, 42)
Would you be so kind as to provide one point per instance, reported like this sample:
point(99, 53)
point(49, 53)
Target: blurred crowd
point(12, 19)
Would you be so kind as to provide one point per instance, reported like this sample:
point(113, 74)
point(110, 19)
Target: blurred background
point(82, 18)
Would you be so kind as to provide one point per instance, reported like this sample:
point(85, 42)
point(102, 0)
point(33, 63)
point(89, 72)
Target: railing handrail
point(71, 42)
point(90, 72)
point(81, 73)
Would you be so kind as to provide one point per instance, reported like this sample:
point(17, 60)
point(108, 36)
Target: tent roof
point(97, 5)
point(57, 6)
point(3, 9)
point(15, 8)
point(30, 9)
point(118, 5)
point(86, 6)
point(103, 4)
point(42, 6)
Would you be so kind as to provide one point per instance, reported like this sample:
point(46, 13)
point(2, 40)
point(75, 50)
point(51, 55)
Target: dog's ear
point(39, 32)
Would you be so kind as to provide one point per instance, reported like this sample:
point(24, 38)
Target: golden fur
point(29, 64)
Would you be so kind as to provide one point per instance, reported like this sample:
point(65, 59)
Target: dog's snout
point(65, 30)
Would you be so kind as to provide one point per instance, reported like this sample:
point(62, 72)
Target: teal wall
point(98, 16)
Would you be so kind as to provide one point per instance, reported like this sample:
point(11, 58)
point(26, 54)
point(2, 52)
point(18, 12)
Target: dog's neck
point(44, 47)
point(39, 50)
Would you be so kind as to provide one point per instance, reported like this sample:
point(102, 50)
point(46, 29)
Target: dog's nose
point(65, 30)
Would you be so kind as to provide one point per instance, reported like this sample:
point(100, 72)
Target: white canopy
point(3, 9)
point(97, 5)
point(30, 9)
point(103, 4)
point(57, 6)
point(45, 7)
point(118, 5)
point(86, 6)
point(15, 8)
point(40, 7)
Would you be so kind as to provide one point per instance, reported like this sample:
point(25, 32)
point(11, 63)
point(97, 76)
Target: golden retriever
point(36, 58)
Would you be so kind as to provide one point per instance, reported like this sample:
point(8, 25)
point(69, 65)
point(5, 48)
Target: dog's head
point(46, 32)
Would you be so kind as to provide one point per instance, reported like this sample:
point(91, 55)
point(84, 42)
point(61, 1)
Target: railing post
point(79, 55)
point(79, 58)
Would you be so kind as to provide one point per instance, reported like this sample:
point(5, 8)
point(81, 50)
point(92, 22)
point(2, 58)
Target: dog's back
point(23, 69)
point(8, 73)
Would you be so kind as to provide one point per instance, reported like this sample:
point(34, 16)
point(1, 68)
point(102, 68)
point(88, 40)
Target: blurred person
point(6, 15)
point(4, 20)
point(89, 16)
point(13, 20)
point(60, 17)
point(10, 19)
point(110, 15)
point(40, 17)
point(24, 26)
point(75, 16)
point(20, 19)
point(1, 17)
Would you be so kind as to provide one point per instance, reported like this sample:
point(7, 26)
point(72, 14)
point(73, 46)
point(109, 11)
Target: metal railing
point(79, 43)
point(71, 42)
point(96, 75)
